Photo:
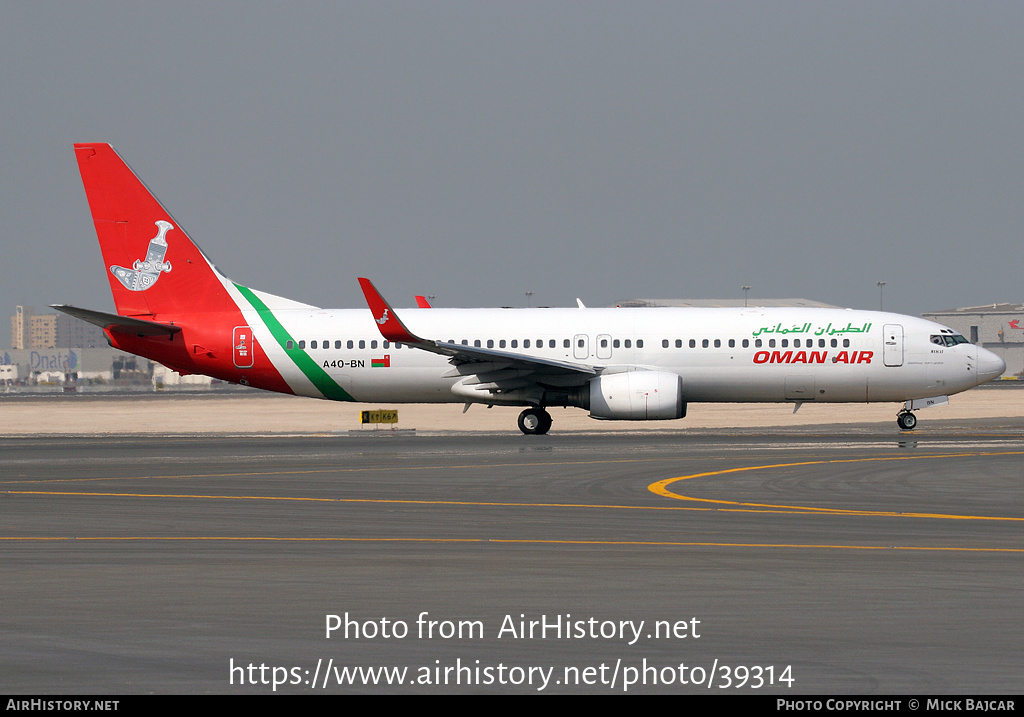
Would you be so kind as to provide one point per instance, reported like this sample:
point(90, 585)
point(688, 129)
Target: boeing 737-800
point(175, 307)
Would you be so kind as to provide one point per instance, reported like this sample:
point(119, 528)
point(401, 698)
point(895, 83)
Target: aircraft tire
point(534, 421)
point(907, 421)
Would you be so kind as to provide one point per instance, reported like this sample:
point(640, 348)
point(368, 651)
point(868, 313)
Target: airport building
point(996, 327)
point(29, 367)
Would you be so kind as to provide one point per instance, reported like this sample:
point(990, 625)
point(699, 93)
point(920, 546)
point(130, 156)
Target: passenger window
point(718, 343)
point(615, 343)
point(639, 343)
point(526, 343)
point(465, 342)
point(705, 343)
point(312, 344)
point(785, 343)
point(732, 343)
point(337, 344)
point(551, 344)
point(664, 343)
point(289, 344)
point(679, 343)
point(579, 342)
point(387, 344)
point(373, 344)
point(821, 343)
point(349, 343)
point(604, 343)
point(362, 344)
point(693, 343)
point(515, 343)
point(565, 343)
point(627, 343)
point(746, 343)
point(835, 342)
point(758, 343)
point(501, 343)
point(490, 343)
point(476, 343)
point(771, 343)
point(846, 343)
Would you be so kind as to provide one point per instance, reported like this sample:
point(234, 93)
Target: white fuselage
point(721, 354)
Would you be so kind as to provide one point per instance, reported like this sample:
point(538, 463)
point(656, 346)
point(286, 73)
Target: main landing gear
point(534, 421)
point(906, 420)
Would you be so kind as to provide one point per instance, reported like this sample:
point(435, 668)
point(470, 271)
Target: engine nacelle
point(637, 396)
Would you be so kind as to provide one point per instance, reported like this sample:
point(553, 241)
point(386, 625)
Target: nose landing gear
point(534, 421)
point(906, 420)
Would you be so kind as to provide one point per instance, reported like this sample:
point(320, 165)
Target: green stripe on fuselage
point(317, 376)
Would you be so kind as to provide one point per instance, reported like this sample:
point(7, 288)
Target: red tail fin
point(153, 267)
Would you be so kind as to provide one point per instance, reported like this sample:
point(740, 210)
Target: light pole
point(746, 291)
point(881, 292)
point(529, 297)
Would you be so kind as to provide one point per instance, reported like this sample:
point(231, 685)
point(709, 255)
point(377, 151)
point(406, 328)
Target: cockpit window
point(950, 340)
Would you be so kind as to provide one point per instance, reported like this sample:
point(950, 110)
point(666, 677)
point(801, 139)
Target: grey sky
point(479, 150)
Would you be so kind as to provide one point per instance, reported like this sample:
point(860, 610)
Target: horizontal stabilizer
point(122, 324)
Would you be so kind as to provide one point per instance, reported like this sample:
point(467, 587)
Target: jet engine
point(636, 396)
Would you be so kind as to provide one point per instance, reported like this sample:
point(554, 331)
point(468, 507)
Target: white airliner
point(175, 307)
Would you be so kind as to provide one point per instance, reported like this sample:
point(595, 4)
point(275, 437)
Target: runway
point(841, 560)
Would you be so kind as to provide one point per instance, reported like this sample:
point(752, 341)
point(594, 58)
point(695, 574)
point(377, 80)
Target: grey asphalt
point(881, 563)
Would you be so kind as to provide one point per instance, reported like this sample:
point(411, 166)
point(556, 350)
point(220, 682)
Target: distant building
point(75, 333)
point(996, 327)
point(51, 331)
point(20, 330)
point(42, 332)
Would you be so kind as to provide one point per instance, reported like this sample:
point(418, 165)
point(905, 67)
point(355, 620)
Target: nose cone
point(990, 366)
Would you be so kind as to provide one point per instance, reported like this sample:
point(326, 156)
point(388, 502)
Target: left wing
point(489, 373)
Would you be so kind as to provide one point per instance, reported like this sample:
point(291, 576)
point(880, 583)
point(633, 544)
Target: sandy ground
point(271, 413)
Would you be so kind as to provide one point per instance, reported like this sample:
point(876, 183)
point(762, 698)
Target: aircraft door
point(242, 344)
point(892, 345)
point(604, 346)
point(581, 346)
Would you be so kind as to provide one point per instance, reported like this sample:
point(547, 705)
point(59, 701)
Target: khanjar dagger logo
point(144, 273)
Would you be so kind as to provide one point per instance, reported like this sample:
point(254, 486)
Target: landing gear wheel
point(907, 421)
point(534, 421)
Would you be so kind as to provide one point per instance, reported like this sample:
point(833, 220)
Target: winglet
point(391, 327)
point(421, 301)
